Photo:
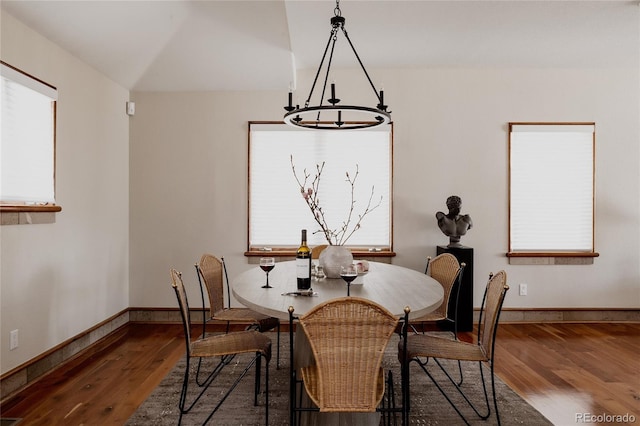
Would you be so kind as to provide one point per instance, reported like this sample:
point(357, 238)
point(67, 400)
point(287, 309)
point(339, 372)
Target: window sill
point(551, 258)
point(22, 214)
point(291, 253)
point(7, 208)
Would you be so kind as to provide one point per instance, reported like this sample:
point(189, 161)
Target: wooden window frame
point(290, 251)
point(35, 207)
point(548, 256)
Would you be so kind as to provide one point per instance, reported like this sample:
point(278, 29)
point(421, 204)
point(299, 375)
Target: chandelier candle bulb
point(290, 106)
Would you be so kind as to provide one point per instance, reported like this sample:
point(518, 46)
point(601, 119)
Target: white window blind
point(277, 211)
point(551, 187)
point(27, 149)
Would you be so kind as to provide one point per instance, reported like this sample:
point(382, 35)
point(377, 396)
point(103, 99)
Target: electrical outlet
point(523, 289)
point(13, 340)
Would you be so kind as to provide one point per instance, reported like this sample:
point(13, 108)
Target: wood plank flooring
point(561, 369)
point(568, 370)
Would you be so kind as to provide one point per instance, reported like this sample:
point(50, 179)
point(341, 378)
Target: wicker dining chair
point(348, 337)
point(445, 269)
point(224, 346)
point(315, 252)
point(414, 347)
point(209, 271)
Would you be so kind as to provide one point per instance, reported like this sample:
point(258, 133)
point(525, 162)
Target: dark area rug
point(428, 406)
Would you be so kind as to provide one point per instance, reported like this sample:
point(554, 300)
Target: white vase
point(333, 258)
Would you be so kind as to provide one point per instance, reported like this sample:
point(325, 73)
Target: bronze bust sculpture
point(453, 224)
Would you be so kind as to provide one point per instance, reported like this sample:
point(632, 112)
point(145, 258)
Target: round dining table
point(391, 286)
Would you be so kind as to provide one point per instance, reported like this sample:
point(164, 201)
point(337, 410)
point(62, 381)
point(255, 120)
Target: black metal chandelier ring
point(299, 117)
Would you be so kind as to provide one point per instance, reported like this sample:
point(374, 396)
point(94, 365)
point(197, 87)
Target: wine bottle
point(303, 263)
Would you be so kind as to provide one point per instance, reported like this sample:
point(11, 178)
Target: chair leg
point(385, 403)
point(205, 385)
point(198, 372)
point(460, 371)
point(435, 382)
point(486, 395)
point(278, 347)
point(484, 416)
point(406, 396)
point(233, 386)
point(266, 386)
point(389, 411)
point(225, 360)
point(263, 329)
point(295, 399)
point(183, 392)
point(299, 393)
point(256, 390)
point(266, 395)
point(493, 389)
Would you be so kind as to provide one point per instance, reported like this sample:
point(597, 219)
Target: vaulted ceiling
point(258, 45)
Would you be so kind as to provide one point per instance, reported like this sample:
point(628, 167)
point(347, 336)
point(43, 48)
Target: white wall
point(60, 279)
point(189, 175)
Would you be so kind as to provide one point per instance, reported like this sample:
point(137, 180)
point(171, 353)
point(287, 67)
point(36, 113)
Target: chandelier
point(333, 115)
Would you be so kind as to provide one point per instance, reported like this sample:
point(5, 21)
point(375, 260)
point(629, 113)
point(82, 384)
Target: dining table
point(394, 287)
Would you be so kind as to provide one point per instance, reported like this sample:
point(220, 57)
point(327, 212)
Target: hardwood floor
point(561, 369)
point(568, 370)
point(106, 388)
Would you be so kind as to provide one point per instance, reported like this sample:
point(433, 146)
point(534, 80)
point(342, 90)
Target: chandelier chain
point(326, 77)
point(324, 55)
point(361, 64)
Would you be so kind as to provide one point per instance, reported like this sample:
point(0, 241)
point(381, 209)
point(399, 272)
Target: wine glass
point(320, 273)
point(267, 264)
point(348, 273)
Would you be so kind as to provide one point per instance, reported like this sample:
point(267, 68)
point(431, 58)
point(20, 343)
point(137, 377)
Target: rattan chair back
point(348, 337)
point(183, 305)
point(210, 269)
point(493, 299)
point(445, 269)
point(315, 253)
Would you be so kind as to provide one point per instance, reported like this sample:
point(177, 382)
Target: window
point(277, 210)
point(552, 181)
point(27, 150)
